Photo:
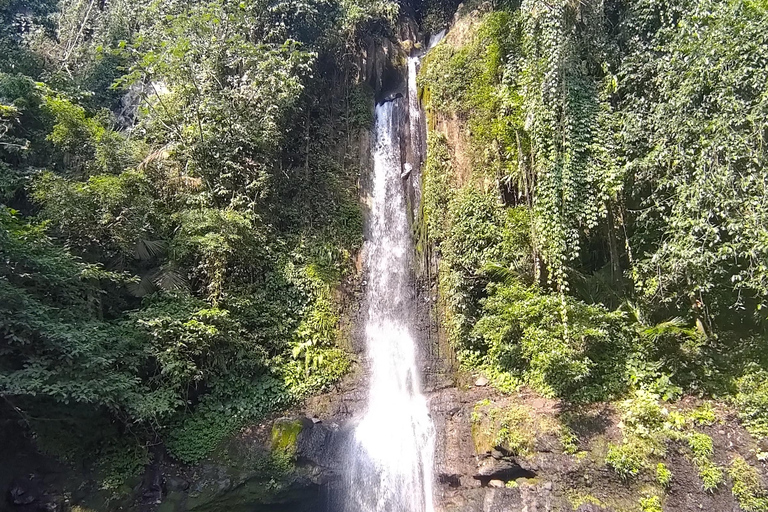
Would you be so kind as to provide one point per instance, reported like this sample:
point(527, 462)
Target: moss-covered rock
point(285, 434)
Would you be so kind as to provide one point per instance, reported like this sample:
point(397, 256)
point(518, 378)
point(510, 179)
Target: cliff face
point(520, 451)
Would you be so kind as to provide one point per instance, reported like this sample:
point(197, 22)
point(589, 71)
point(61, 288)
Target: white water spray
point(394, 443)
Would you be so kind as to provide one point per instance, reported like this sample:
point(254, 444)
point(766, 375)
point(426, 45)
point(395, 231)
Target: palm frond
point(148, 249)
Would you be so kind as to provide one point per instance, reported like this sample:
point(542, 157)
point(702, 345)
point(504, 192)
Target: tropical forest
point(384, 255)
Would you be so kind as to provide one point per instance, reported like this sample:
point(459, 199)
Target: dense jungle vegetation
point(606, 236)
point(178, 211)
point(179, 206)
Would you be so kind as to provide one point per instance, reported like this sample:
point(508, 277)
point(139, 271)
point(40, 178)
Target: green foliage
point(752, 402)
point(54, 343)
point(559, 98)
point(627, 459)
point(711, 475)
point(747, 488)
point(121, 462)
point(196, 436)
point(437, 189)
point(615, 158)
point(663, 475)
point(181, 275)
point(701, 206)
point(523, 329)
point(569, 440)
point(514, 432)
point(650, 504)
point(477, 82)
point(704, 415)
point(188, 339)
point(701, 445)
point(702, 448)
point(642, 415)
point(107, 216)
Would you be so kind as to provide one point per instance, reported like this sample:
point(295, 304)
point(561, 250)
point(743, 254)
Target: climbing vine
point(561, 107)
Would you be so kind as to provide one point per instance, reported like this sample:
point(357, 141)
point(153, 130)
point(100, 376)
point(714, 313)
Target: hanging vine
point(561, 107)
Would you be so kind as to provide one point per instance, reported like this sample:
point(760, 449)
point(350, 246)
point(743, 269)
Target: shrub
point(642, 414)
point(523, 328)
point(704, 415)
point(663, 475)
point(569, 440)
point(515, 431)
point(711, 475)
point(752, 497)
point(701, 445)
point(752, 402)
point(627, 459)
point(651, 504)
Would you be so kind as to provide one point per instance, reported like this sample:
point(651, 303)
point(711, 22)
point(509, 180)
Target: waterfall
point(393, 453)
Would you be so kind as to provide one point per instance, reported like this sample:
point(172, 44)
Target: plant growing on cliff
point(747, 489)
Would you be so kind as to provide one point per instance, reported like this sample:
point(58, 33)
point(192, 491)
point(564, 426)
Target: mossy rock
point(285, 434)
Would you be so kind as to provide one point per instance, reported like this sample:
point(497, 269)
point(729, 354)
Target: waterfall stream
point(393, 454)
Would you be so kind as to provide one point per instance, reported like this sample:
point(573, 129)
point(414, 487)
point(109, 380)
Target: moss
point(513, 428)
point(285, 433)
point(578, 499)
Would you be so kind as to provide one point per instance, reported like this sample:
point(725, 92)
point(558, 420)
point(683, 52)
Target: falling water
point(394, 442)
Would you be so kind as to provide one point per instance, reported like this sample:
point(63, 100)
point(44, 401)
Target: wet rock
point(390, 97)
point(152, 483)
point(316, 444)
point(175, 484)
point(50, 506)
point(449, 480)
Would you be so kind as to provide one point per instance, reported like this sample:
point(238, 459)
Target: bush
point(525, 335)
point(752, 402)
point(701, 445)
point(752, 497)
point(663, 475)
point(704, 415)
point(627, 459)
point(651, 504)
point(711, 475)
point(643, 415)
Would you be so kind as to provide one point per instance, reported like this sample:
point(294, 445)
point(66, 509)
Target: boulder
point(176, 483)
